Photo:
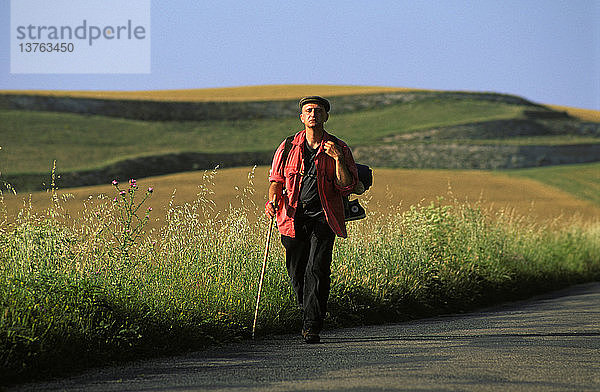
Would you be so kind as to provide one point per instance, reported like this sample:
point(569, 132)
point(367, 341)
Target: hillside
point(235, 109)
point(95, 140)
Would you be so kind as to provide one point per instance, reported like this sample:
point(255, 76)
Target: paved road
point(551, 343)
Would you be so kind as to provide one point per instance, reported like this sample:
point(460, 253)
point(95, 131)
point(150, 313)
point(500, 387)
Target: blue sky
point(547, 51)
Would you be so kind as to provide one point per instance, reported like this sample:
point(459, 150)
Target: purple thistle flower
point(122, 193)
point(149, 209)
point(132, 182)
point(150, 190)
point(115, 182)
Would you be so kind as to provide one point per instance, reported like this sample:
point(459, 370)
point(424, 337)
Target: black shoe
point(310, 336)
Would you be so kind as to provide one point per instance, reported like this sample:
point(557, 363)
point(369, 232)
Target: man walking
point(309, 177)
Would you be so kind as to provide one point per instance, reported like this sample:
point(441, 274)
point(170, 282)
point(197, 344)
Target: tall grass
point(77, 295)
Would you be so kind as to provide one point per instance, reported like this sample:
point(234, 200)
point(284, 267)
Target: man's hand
point(275, 194)
point(333, 150)
point(270, 209)
point(342, 175)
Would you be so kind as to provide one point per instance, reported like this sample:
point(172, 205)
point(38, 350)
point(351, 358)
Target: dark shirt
point(310, 203)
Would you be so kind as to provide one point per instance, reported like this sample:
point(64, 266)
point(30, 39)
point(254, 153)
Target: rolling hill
point(223, 94)
point(97, 136)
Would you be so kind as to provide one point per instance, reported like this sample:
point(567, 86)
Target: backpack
point(352, 209)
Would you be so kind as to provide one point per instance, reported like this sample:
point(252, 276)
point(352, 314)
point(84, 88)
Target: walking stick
point(262, 276)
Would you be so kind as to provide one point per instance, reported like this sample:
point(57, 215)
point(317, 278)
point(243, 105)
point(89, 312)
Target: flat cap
point(314, 99)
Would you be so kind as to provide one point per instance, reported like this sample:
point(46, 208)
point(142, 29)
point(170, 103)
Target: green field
point(79, 142)
point(582, 181)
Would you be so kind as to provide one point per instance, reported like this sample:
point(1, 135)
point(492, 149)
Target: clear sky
point(545, 50)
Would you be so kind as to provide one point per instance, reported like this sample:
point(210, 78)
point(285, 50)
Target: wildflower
point(149, 209)
point(132, 182)
point(122, 193)
point(115, 182)
point(150, 190)
point(115, 200)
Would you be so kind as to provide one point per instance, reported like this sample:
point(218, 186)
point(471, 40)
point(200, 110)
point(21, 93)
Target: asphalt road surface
point(550, 343)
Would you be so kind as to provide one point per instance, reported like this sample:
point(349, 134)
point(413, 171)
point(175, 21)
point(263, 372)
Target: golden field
point(246, 93)
point(255, 93)
point(582, 114)
point(392, 187)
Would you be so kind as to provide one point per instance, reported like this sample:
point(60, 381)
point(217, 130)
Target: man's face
point(313, 115)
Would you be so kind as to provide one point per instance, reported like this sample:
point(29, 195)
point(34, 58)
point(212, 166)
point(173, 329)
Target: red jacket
point(329, 191)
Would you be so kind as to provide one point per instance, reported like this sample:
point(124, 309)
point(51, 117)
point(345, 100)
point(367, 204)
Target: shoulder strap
point(286, 149)
point(288, 146)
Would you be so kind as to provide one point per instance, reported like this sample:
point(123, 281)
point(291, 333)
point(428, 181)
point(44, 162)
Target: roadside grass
point(82, 294)
point(80, 142)
point(583, 180)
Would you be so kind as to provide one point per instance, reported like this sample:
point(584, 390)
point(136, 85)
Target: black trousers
point(308, 260)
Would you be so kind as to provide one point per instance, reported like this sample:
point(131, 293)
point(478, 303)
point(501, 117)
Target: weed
point(105, 288)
